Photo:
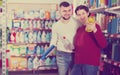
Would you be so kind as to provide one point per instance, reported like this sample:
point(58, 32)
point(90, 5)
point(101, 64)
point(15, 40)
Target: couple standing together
point(85, 53)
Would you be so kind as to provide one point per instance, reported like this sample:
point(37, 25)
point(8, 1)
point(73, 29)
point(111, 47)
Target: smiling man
point(62, 37)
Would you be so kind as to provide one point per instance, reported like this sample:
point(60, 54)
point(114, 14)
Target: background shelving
point(29, 33)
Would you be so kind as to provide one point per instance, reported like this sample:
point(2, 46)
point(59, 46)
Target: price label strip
point(4, 24)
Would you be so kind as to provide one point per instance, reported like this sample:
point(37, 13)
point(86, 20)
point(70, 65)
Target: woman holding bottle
point(88, 42)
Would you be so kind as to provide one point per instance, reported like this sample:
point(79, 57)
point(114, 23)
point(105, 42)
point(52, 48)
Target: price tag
point(106, 35)
point(105, 60)
point(119, 65)
point(118, 36)
point(115, 63)
point(111, 35)
point(109, 61)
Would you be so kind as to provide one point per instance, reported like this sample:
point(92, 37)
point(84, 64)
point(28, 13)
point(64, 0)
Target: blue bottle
point(30, 63)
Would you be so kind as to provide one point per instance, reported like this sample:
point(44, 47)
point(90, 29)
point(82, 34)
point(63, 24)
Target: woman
point(87, 44)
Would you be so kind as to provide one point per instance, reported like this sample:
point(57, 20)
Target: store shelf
point(112, 35)
point(32, 19)
point(27, 55)
point(46, 67)
point(114, 10)
point(96, 10)
point(112, 62)
point(29, 29)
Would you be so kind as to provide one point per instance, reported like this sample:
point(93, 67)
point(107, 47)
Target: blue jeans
point(84, 69)
point(64, 62)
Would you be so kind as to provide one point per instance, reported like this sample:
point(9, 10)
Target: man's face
point(65, 12)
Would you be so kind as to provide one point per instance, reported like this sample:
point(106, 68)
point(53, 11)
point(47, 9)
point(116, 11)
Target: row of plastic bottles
point(30, 50)
point(29, 36)
point(41, 13)
point(31, 24)
point(32, 62)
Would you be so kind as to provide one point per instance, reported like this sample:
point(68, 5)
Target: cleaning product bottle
point(91, 20)
point(26, 37)
point(43, 37)
point(35, 62)
point(53, 62)
point(42, 50)
point(35, 36)
point(30, 36)
point(48, 62)
point(47, 15)
point(17, 36)
point(39, 34)
point(47, 37)
point(38, 50)
point(21, 37)
point(30, 63)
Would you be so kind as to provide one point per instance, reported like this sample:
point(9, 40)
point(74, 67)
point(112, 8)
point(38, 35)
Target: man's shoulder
point(56, 24)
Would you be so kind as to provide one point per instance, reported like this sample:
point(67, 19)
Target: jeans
point(64, 62)
point(84, 69)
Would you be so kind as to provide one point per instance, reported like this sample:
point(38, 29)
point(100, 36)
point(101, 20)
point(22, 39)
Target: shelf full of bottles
point(28, 37)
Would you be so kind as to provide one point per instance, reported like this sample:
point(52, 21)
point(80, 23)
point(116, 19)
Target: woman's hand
point(91, 27)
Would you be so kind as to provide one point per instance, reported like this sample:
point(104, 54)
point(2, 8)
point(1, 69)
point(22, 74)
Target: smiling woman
point(87, 49)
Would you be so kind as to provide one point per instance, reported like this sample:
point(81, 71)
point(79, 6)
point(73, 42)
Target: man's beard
point(66, 18)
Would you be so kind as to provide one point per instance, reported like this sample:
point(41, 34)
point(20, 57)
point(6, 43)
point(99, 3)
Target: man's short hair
point(64, 4)
point(81, 7)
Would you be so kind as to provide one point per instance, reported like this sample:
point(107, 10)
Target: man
point(62, 37)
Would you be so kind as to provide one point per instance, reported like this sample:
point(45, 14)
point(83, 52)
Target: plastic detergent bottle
point(30, 63)
point(43, 36)
point(53, 61)
point(38, 50)
point(39, 36)
point(26, 37)
point(91, 19)
point(42, 50)
point(35, 62)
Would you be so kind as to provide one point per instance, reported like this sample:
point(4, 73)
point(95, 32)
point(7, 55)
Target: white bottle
point(17, 37)
point(35, 62)
point(30, 63)
point(38, 50)
point(39, 34)
point(21, 37)
point(30, 36)
point(43, 37)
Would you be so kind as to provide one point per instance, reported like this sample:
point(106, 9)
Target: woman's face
point(82, 16)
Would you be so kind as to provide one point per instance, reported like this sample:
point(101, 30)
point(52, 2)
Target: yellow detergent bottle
point(91, 19)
